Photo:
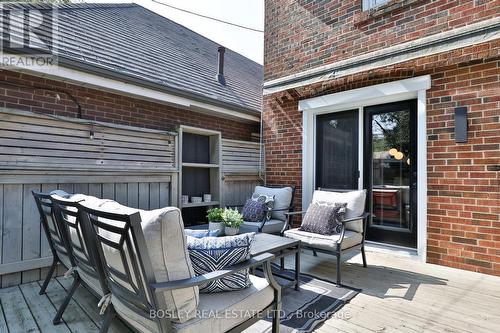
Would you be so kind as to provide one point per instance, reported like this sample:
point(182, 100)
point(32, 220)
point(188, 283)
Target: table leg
point(282, 263)
point(297, 268)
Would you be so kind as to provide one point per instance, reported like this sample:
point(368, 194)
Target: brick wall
point(302, 34)
point(24, 92)
point(463, 182)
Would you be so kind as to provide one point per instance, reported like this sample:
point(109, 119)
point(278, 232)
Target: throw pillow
point(267, 200)
point(254, 211)
point(212, 254)
point(201, 233)
point(323, 218)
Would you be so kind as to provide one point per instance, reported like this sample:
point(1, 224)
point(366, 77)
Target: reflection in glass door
point(390, 172)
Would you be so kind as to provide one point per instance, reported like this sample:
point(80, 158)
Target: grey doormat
point(306, 309)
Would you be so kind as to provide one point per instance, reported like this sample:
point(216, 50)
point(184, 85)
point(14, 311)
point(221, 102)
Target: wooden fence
point(135, 167)
point(242, 170)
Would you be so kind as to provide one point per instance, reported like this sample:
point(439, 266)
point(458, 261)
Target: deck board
point(398, 295)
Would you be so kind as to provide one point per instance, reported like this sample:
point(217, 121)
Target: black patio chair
point(56, 237)
point(347, 239)
point(83, 251)
point(132, 281)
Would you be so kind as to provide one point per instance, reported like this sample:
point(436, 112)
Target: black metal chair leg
point(108, 318)
point(49, 276)
point(314, 253)
point(338, 268)
point(363, 255)
point(64, 305)
point(282, 263)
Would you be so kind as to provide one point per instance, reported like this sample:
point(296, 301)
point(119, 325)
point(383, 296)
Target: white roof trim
point(73, 76)
point(360, 95)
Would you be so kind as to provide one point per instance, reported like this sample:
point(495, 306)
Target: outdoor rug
point(306, 309)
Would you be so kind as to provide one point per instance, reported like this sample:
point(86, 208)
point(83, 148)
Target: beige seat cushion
point(217, 312)
point(325, 242)
point(282, 199)
point(271, 227)
point(355, 205)
point(164, 234)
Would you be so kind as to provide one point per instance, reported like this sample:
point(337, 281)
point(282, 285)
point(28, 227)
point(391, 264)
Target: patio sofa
point(351, 235)
point(148, 278)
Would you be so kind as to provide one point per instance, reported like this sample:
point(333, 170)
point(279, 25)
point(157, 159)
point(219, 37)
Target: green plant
point(232, 218)
point(215, 215)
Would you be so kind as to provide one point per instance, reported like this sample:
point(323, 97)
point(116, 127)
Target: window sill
point(382, 10)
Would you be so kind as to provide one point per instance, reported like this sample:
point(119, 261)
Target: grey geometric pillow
point(216, 253)
point(323, 218)
point(267, 200)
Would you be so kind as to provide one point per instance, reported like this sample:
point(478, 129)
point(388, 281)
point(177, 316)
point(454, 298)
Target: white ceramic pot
point(207, 197)
point(217, 226)
point(231, 231)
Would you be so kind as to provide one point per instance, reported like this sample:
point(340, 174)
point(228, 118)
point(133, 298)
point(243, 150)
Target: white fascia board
point(358, 96)
point(80, 78)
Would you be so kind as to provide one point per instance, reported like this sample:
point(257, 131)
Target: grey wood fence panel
point(241, 156)
point(12, 231)
point(38, 142)
point(237, 191)
point(31, 231)
point(23, 243)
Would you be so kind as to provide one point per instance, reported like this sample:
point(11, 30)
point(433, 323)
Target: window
point(369, 4)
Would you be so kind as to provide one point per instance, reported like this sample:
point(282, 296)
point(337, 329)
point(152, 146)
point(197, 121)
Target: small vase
point(217, 226)
point(231, 231)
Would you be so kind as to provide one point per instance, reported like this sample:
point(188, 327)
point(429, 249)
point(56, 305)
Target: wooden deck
point(399, 295)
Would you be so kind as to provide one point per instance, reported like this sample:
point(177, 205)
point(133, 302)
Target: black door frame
point(388, 236)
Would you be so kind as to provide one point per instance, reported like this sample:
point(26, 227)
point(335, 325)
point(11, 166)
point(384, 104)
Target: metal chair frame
point(339, 251)
point(142, 293)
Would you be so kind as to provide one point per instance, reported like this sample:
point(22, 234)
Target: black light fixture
point(461, 124)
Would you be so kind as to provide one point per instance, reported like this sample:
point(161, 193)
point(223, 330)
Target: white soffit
point(360, 95)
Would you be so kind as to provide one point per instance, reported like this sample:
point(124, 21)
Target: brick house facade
point(41, 95)
point(311, 50)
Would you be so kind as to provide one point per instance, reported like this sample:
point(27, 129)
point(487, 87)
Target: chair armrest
point(200, 279)
point(296, 213)
point(279, 209)
point(361, 217)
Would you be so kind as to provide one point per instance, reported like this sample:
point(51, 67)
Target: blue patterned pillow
point(212, 254)
point(254, 211)
point(201, 233)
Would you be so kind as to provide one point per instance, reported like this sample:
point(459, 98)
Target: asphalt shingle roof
point(136, 43)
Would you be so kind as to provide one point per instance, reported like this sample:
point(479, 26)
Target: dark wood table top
point(263, 243)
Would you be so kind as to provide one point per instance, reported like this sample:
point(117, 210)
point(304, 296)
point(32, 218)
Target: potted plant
point(232, 221)
point(215, 220)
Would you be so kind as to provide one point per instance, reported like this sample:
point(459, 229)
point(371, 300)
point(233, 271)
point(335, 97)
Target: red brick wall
point(22, 91)
point(463, 182)
point(302, 34)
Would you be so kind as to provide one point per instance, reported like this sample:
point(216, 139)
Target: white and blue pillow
point(201, 233)
point(213, 254)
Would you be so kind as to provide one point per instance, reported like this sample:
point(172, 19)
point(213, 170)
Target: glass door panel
point(390, 169)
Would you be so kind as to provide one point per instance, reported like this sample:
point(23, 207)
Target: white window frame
point(413, 88)
point(369, 4)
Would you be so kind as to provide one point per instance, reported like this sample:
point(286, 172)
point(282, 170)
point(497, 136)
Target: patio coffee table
point(281, 247)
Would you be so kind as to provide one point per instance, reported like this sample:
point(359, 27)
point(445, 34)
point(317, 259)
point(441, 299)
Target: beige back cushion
point(282, 199)
point(355, 205)
point(164, 234)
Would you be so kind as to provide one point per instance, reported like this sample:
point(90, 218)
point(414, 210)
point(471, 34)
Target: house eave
point(71, 71)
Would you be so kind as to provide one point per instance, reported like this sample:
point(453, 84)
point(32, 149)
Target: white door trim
point(357, 99)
